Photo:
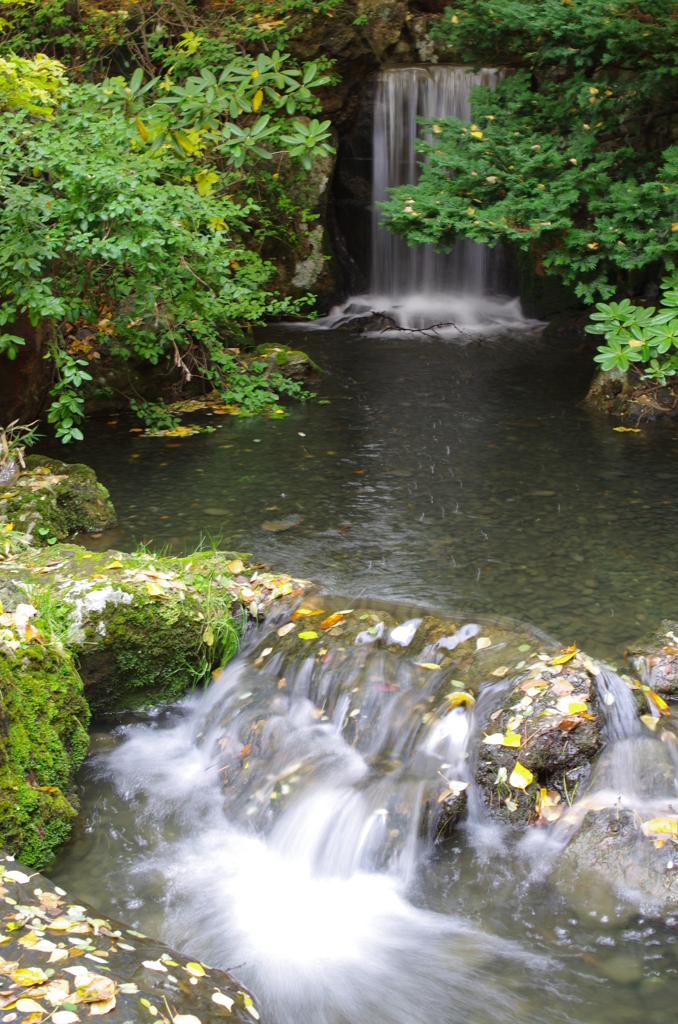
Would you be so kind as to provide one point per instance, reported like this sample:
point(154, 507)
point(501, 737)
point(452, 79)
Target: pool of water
point(459, 475)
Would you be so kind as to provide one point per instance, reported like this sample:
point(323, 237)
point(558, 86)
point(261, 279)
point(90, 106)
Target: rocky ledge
point(61, 961)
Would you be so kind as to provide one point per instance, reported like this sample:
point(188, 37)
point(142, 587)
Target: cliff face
point(24, 381)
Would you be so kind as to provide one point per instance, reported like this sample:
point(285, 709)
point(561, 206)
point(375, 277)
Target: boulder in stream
point(655, 659)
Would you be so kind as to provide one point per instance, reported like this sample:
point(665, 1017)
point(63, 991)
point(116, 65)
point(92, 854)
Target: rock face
point(61, 955)
point(51, 500)
point(620, 393)
point(655, 659)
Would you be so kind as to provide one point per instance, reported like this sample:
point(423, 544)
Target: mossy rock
point(655, 659)
point(290, 363)
point(52, 500)
point(144, 628)
point(43, 741)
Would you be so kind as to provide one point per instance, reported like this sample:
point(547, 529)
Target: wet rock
point(74, 954)
point(288, 362)
point(622, 393)
point(550, 722)
point(655, 659)
point(51, 500)
point(611, 845)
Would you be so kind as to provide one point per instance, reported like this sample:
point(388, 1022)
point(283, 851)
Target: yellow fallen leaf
point(457, 698)
point(197, 970)
point(284, 590)
point(521, 777)
point(308, 634)
point(58, 954)
point(236, 566)
point(12, 494)
point(661, 826)
point(627, 430)
point(8, 527)
point(495, 739)
point(655, 698)
point(650, 721)
point(154, 589)
point(511, 739)
point(28, 976)
point(567, 655)
point(302, 612)
point(96, 989)
point(482, 642)
point(576, 707)
point(114, 565)
point(426, 664)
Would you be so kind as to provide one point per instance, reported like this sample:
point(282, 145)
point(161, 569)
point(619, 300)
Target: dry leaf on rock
point(221, 1000)
point(27, 976)
point(520, 777)
point(482, 642)
point(197, 970)
point(284, 630)
point(65, 1017)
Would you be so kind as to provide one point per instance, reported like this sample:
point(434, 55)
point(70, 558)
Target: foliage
point(32, 84)
point(154, 34)
point(112, 215)
point(14, 439)
point(640, 334)
point(570, 156)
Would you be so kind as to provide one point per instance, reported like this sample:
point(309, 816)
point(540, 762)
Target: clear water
point(470, 478)
point(469, 475)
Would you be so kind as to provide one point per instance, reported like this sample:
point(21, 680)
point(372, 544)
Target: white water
point(415, 286)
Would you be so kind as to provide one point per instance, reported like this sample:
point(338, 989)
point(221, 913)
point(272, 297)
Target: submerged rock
point(51, 500)
point(61, 957)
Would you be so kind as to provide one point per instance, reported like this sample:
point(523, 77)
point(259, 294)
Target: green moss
point(53, 500)
point(43, 741)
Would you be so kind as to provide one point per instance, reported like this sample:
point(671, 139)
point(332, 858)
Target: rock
point(611, 846)
point(620, 393)
point(52, 500)
point(141, 974)
point(288, 362)
point(655, 659)
point(43, 741)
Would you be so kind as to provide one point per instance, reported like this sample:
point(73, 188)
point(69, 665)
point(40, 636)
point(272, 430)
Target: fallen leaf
point(660, 826)
point(495, 714)
point(154, 965)
point(520, 777)
point(482, 642)
point(511, 739)
point(500, 672)
point(113, 565)
point(28, 1006)
point(58, 954)
point(426, 664)
point(221, 1000)
point(457, 698)
point(650, 721)
point(17, 876)
point(95, 988)
point(27, 976)
point(154, 589)
point(196, 969)
point(576, 707)
point(103, 1006)
point(303, 612)
point(562, 688)
point(65, 1017)
point(236, 566)
point(284, 630)
point(496, 739)
point(331, 620)
point(567, 655)
point(627, 430)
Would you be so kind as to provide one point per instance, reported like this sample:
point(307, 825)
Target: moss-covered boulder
point(43, 741)
point(145, 628)
point(289, 362)
point(51, 500)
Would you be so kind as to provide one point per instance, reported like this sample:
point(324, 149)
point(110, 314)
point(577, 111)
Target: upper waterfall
point(398, 269)
point(415, 286)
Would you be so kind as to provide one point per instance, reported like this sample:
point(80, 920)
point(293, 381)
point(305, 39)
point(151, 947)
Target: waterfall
point(402, 95)
point(415, 287)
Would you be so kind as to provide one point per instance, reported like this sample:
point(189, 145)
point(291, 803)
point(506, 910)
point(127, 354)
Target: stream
point(459, 476)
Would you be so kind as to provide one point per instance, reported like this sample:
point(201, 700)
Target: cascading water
point(415, 286)
point(281, 825)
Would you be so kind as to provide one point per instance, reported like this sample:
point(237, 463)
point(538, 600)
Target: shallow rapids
point(283, 825)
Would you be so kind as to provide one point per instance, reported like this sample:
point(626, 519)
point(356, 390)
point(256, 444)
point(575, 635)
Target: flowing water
point(455, 474)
